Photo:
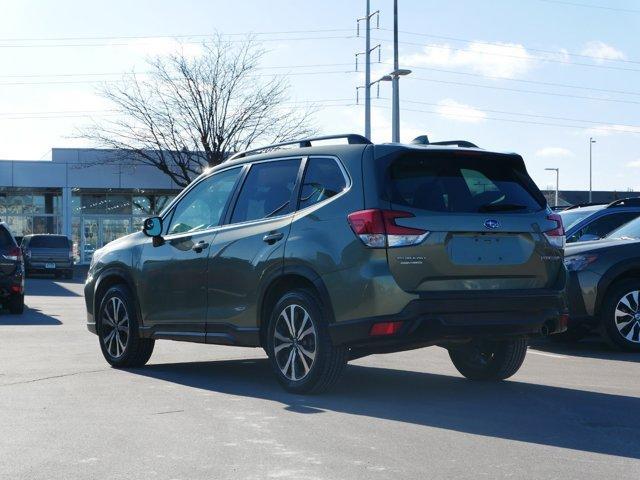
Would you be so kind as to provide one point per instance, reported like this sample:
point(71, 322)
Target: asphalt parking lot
point(201, 411)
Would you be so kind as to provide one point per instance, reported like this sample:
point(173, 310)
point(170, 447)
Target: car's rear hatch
point(484, 216)
point(49, 249)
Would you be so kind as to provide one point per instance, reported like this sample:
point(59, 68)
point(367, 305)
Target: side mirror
point(152, 227)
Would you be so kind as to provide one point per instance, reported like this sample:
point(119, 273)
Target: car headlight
point(576, 263)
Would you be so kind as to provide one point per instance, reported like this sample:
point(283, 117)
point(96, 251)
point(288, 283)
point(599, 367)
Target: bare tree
point(189, 113)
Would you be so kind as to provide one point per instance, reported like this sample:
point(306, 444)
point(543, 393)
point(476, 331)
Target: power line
point(496, 44)
point(588, 5)
point(520, 57)
point(121, 44)
point(195, 35)
point(533, 82)
point(521, 90)
point(512, 120)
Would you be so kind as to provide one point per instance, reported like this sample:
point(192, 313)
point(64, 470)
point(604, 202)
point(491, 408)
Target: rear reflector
point(377, 228)
point(556, 236)
point(16, 288)
point(385, 328)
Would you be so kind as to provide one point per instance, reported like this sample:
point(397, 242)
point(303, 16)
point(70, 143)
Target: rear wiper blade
point(501, 207)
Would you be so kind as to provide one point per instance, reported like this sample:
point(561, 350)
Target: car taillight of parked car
point(13, 254)
point(556, 235)
point(377, 228)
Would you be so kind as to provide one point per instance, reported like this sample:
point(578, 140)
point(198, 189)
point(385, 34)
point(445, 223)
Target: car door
point(250, 247)
point(173, 281)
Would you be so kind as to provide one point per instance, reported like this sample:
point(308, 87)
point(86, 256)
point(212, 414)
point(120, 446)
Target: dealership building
point(93, 196)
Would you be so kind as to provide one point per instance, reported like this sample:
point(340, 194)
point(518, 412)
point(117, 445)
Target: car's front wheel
point(620, 316)
point(299, 345)
point(117, 323)
point(16, 304)
point(489, 360)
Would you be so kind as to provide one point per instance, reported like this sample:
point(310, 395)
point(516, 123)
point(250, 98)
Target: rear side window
point(602, 226)
point(49, 242)
point(323, 179)
point(267, 190)
point(452, 183)
point(6, 240)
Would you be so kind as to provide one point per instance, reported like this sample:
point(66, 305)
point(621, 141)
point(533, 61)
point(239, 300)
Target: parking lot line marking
point(545, 354)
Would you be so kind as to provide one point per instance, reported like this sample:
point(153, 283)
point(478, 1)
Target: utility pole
point(557, 170)
point(367, 66)
point(591, 142)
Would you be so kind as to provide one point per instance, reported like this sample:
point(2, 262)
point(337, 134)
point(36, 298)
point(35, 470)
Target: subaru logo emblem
point(491, 224)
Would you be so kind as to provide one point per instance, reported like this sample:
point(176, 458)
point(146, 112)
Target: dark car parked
point(11, 272)
point(321, 254)
point(45, 253)
point(593, 222)
point(604, 287)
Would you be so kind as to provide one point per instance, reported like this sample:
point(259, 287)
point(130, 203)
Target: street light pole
point(557, 170)
point(395, 82)
point(591, 142)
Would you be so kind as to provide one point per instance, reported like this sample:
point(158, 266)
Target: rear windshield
point(573, 217)
point(6, 240)
point(49, 242)
point(453, 183)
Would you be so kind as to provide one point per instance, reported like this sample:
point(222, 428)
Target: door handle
point(272, 238)
point(200, 246)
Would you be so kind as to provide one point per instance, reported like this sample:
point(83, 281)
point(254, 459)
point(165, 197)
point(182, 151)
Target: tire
point(125, 347)
point(489, 360)
point(614, 328)
point(307, 349)
point(16, 304)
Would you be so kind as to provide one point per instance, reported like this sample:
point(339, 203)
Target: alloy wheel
point(294, 342)
point(115, 327)
point(627, 317)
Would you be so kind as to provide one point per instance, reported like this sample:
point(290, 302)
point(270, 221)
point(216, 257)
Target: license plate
point(49, 265)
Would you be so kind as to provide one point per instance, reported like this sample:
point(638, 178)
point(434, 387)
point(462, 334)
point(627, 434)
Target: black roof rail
point(424, 140)
point(624, 202)
point(585, 204)
point(352, 139)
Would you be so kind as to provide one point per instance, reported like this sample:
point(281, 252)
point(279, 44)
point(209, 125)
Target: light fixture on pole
point(591, 142)
point(557, 170)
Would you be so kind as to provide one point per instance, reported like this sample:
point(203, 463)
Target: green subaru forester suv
point(325, 253)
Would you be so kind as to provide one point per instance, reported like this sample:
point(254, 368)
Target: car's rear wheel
point(16, 304)
point(489, 360)
point(299, 345)
point(118, 331)
point(620, 316)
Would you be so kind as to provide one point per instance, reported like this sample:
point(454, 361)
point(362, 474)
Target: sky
point(536, 77)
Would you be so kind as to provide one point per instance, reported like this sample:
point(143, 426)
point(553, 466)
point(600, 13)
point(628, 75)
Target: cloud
point(634, 163)
point(601, 51)
point(453, 110)
point(508, 60)
point(554, 152)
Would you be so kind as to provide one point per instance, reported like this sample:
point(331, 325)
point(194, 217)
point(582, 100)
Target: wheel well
point(629, 274)
point(273, 293)
point(105, 284)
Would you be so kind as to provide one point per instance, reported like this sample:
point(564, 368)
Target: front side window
point(267, 191)
point(323, 179)
point(203, 206)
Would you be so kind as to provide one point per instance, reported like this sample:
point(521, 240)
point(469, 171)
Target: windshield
point(629, 230)
point(573, 217)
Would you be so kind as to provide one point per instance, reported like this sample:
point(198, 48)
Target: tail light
point(13, 254)
point(377, 228)
point(385, 328)
point(556, 235)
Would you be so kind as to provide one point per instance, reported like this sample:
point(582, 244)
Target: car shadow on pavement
point(591, 347)
point(541, 414)
point(49, 287)
point(30, 316)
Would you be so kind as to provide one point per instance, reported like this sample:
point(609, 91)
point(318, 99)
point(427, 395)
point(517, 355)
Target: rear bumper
point(42, 265)
point(453, 317)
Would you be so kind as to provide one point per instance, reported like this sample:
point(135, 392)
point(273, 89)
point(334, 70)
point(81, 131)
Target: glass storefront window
point(93, 203)
point(118, 204)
